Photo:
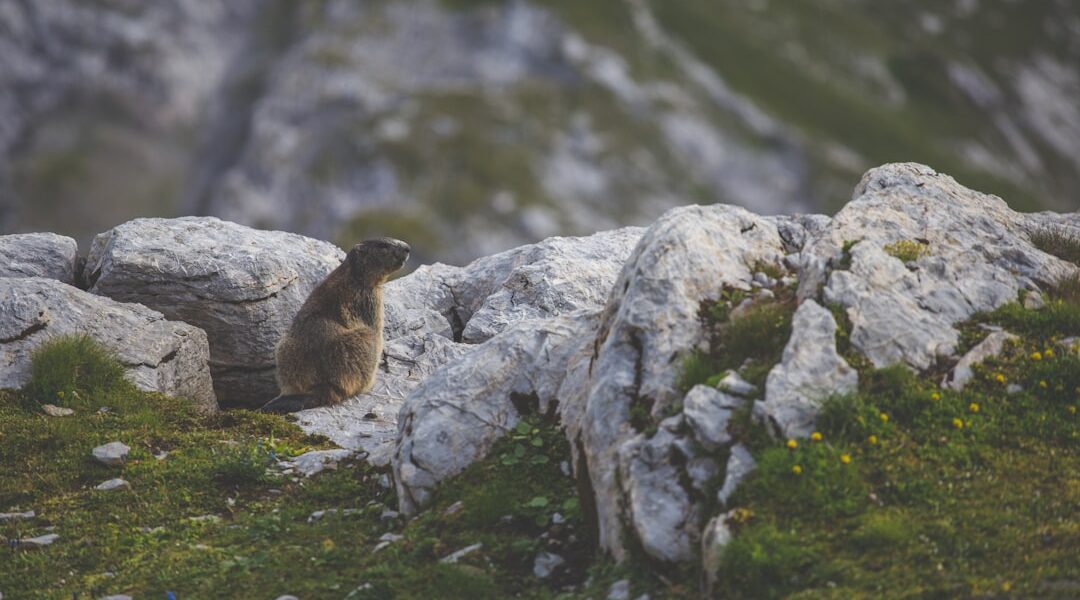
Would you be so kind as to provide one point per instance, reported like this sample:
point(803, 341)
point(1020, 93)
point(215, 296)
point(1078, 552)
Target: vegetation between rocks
point(211, 514)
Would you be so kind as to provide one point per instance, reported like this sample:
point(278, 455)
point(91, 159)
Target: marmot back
point(332, 349)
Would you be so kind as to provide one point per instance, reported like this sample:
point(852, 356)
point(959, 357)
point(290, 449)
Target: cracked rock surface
point(159, 355)
point(240, 285)
point(39, 255)
point(442, 314)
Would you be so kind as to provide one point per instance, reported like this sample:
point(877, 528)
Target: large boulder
point(649, 325)
point(240, 285)
point(973, 254)
point(39, 255)
point(160, 355)
point(439, 313)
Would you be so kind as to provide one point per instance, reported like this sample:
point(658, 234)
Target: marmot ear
point(355, 259)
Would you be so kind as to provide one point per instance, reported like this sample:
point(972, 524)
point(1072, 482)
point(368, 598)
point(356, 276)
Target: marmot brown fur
point(334, 344)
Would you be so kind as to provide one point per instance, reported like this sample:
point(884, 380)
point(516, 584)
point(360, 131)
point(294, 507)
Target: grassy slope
point(956, 494)
point(145, 542)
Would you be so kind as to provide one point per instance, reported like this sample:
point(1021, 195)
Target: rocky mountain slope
point(436, 120)
point(665, 356)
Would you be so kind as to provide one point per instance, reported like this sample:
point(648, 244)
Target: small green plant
point(73, 370)
point(242, 465)
point(908, 250)
point(769, 268)
point(1060, 241)
point(766, 562)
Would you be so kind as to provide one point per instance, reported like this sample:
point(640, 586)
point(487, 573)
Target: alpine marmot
point(334, 344)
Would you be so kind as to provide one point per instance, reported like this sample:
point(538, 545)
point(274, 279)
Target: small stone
point(56, 411)
point(113, 485)
point(287, 597)
point(319, 514)
point(205, 519)
point(391, 537)
point(384, 482)
point(1034, 301)
point(316, 461)
point(765, 294)
point(708, 411)
point(454, 509)
point(557, 519)
point(104, 410)
point(162, 455)
point(620, 590)
point(733, 383)
point(15, 516)
point(740, 464)
point(389, 515)
point(36, 542)
point(112, 454)
point(1013, 388)
point(764, 280)
point(564, 466)
point(456, 556)
point(379, 546)
point(116, 597)
point(546, 563)
point(993, 345)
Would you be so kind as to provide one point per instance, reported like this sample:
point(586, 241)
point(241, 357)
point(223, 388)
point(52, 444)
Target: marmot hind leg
point(322, 395)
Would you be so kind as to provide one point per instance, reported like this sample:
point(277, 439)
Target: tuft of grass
point(766, 562)
point(1060, 241)
point(74, 370)
point(907, 250)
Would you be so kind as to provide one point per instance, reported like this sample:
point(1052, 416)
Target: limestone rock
point(977, 257)
point(809, 372)
point(39, 255)
point(708, 411)
point(113, 454)
point(241, 286)
point(650, 323)
point(316, 461)
point(160, 355)
point(16, 516)
point(56, 411)
point(546, 563)
point(992, 345)
point(36, 542)
point(437, 314)
point(739, 465)
point(113, 485)
point(457, 414)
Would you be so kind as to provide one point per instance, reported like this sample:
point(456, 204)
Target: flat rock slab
point(39, 255)
point(159, 355)
point(240, 285)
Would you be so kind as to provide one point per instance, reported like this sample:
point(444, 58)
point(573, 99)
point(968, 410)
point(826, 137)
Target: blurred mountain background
point(470, 126)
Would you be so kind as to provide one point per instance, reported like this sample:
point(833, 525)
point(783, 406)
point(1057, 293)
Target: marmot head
point(372, 261)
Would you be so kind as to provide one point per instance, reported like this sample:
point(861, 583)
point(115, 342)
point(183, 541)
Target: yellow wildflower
point(872, 440)
point(999, 378)
point(1042, 384)
point(1048, 353)
point(796, 470)
point(845, 458)
point(816, 437)
point(973, 407)
point(1072, 410)
point(792, 444)
point(935, 396)
point(957, 423)
point(884, 417)
point(1036, 356)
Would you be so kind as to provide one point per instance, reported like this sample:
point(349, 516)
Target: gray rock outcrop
point(159, 355)
point(810, 371)
point(241, 286)
point(39, 255)
point(439, 313)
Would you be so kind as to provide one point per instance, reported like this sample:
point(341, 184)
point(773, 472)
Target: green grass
point(750, 340)
point(941, 494)
point(1059, 241)
point(149, 541)
point(907, 250)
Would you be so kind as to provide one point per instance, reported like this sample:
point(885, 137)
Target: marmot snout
point(333, 346)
